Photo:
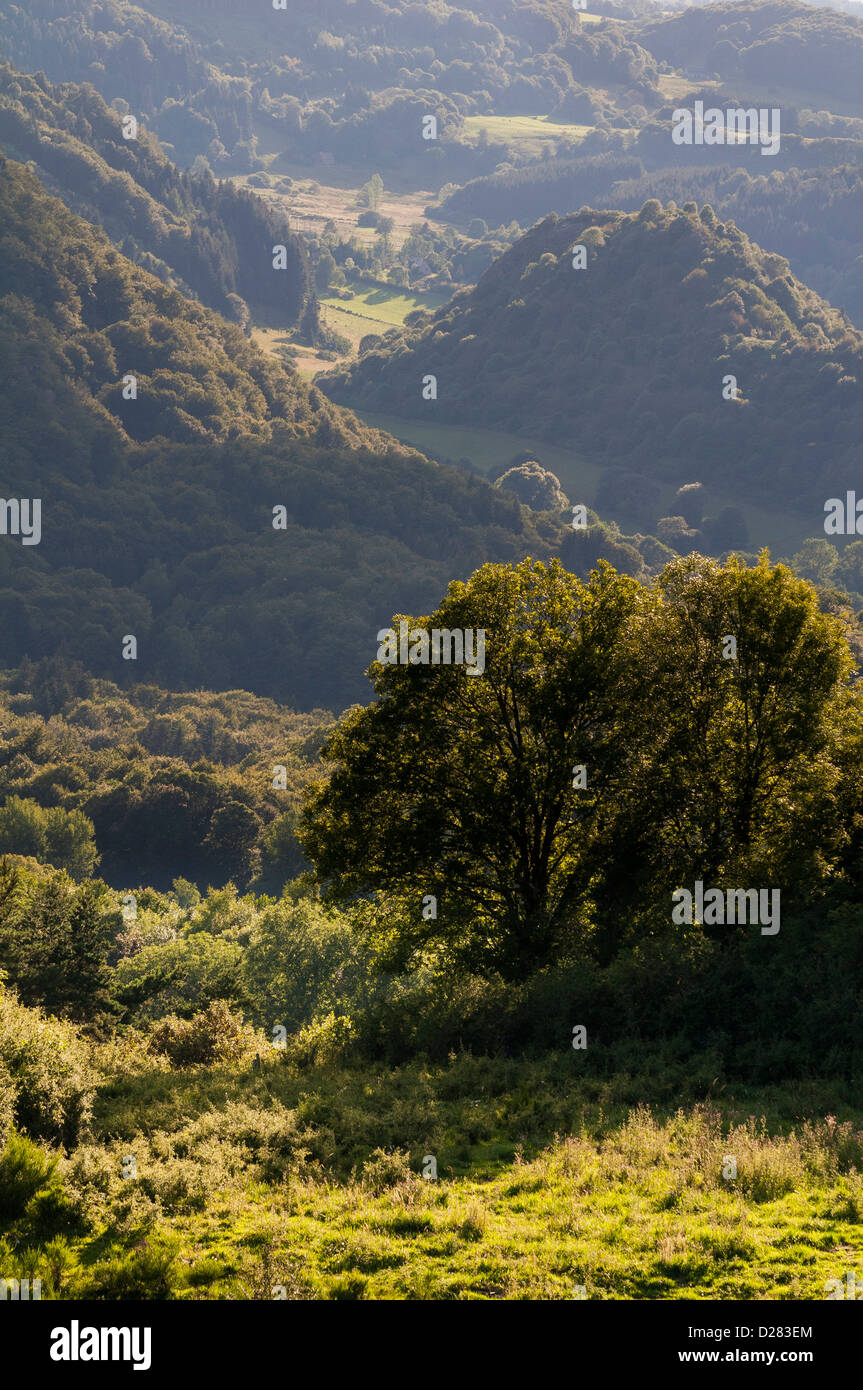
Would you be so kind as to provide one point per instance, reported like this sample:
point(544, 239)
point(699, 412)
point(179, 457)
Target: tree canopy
point(610, 751)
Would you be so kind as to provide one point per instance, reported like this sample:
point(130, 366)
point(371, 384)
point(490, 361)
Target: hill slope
point(211, 240)
point(768, 43)
point(158, 513)
point(810, 216)
point(627, 359)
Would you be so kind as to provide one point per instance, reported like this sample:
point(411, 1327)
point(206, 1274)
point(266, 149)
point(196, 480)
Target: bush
point(303, 962)
point(384, 1169)
point(322, 1041)
point(48, 1065)
point(147, 1274)
point(7, 1103)
point(24, 1170)
point(226, 1141)
point(215, 1035)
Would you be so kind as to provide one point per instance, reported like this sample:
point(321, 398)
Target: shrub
point(146, 1274)
point(215, 1035)
point(385, 1169)
point(48, 1065)
point(7, 1103)
point(24, 1170)
point(90, 1173)
point(272, 1139)
point(321, 1041)
point(178, 1185)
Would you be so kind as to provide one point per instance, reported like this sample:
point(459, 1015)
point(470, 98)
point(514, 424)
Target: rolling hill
point(159, 513)
point(630, 358)
point(196, 235)
point(341, 81)
point(778, 44)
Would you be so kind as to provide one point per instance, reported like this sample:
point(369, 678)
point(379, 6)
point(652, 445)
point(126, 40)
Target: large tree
point(702, 757)
point(461, 787)
point(736, 715)
point(56, 938)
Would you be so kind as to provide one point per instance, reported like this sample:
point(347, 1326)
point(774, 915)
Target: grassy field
point(780, 531)
point(489, 448)
point(548, 1182)
point(373, 309)
point(524, 134)
point(309, 205)
point(674, 87)
point(385, 306)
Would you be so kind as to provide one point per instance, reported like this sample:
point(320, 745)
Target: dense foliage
point(149, 784)
point(685, 758)
point(350, 83)
point(161, 514)
point(780, 41)
point(699, 308)
point(194, 234)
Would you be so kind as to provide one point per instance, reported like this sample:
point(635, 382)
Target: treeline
point(722, 356)
point(525, 195)
point(209, 239)
point(149, 786)
point(766, 42)
point(353, 90)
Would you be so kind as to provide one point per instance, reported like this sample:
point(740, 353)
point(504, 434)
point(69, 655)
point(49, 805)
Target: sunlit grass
point(523, 132)
point(309, 1182)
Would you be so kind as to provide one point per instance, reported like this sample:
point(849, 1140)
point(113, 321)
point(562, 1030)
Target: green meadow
point(306, 1183)
point(523, 134)
point(780, 531)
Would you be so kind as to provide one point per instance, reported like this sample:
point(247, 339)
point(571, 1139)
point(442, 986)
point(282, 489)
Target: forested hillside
point(780, 43)
point(147, 786)
point(341, 81)
point(811, 216)
point(717, 354)
point(224, 478)
point(194, 234)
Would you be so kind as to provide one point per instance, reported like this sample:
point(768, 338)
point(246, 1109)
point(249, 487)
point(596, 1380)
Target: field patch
point(522, 133)
point(546, 1184)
